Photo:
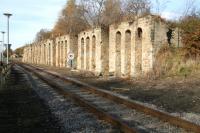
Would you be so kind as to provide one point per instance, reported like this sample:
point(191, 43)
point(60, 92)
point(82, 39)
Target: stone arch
point(87, 53)
point(44, 57)
point(118, 54)
point(139, 33)
point(31, 55)
point(66, 53)
point(128, 52)
point(40, 54)
point(49, 56)
point(169, 36)
point(93, 52)
point(61, 53)
point(58, 47)
point(82, 53)
point(54, 57)
point(138, 51)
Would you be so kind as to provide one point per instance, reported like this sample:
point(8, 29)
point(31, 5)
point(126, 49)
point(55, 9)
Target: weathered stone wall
point(133, 45)
point(105, 52)
point(65, 45)
point(52, 52)
point(128, 49)
point(176, 40)
point(92, 50)
point(61, 49)
point(73, 48)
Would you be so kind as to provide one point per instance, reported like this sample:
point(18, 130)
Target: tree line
point(84, 14)
point(78, 16)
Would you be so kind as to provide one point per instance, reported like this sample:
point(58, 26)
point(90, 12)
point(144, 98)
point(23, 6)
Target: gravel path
point(21, 109)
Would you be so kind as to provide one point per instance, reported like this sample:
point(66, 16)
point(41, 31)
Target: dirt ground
point(172, 94)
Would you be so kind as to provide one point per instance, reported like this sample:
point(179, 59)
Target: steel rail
point(187, 125)
point(91, 108)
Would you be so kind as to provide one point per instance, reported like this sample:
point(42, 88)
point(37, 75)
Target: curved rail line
point(176, 121)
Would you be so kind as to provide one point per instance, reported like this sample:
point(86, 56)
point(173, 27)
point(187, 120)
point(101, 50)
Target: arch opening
point(128, 53)
point(44, 54)
point(82, 53)
point(138, 52)
point(169, 36)
point(61, 54)
point(49, 51)
point(93, 52)
point(40, 54)
point(118, 54)
point(66, 53)
point(139, 33)
point(87, 53)
point(58, 47)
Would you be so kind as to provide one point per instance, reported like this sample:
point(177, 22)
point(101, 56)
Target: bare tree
point(112, 12)
point(189, 8)
point(137, 7)
point(93, 11)
point(160, 6)
point(71, 20)
point(42, 35)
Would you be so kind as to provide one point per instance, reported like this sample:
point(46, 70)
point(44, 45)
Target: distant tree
point(137, 7)
point(42, 35)
point(10, 52)
point(190, 26)
point(102, 12)
point(93, 10)
point(92, 13)
point(19, 51)
point(190, 8)
point(71, 20)
point(111, 13)
point(160, 5)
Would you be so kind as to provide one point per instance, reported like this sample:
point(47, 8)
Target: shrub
point(190, 26)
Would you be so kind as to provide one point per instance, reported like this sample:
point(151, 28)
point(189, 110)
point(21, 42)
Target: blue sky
point(29, 16)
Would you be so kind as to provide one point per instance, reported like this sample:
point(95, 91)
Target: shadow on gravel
point(21, 110)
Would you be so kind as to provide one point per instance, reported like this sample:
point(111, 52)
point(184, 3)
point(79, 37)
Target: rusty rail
point(98, 112)
point(187, 125)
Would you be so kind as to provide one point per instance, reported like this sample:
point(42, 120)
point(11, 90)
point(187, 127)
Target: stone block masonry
point(52, 52)
point(63, 46)
point(93, 51)
point(127, 49)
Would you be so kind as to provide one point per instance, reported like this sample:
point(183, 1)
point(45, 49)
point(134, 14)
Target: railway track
point(122, 113)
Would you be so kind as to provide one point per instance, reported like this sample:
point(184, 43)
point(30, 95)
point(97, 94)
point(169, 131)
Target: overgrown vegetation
point(183, 61)
point(191, 35)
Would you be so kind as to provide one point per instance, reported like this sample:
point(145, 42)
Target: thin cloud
point(28, 18)
point(170, 15)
